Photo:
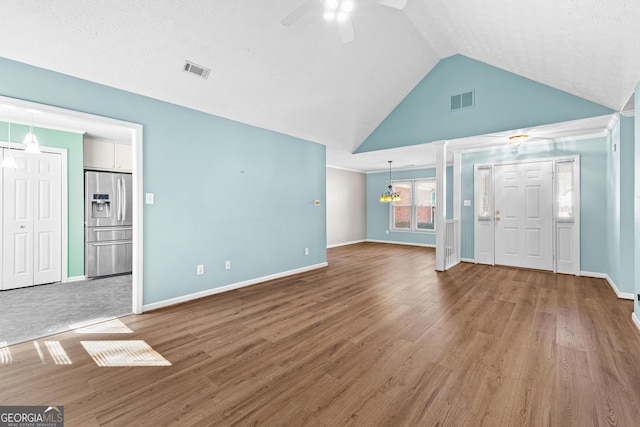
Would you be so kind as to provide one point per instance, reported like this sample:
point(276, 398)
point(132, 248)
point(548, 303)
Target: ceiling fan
point(338, 11)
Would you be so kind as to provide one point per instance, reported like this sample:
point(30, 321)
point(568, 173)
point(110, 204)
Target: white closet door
point(17, 256)
point(47, 219)
point(32, 225)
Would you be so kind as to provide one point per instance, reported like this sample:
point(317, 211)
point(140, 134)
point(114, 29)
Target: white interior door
point(32, 225)
point(47, 244)
point(524, 215)
point(17, 256)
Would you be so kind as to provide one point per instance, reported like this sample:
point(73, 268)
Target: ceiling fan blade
point(346, 31)
point(299, 12)
point(396, 4)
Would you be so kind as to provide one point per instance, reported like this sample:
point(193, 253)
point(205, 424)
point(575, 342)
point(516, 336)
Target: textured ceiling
point(301, 80)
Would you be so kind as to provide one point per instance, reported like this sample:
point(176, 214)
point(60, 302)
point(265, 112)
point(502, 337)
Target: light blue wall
point(378, 214)
point(627, 227)
point(637, 200)
point(620, 195)
point(593, 215)
point(223, 190)
point(503, 101)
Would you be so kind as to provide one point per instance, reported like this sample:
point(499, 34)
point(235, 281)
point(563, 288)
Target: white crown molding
point(345, 169)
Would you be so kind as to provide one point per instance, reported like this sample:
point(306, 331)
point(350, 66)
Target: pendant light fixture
point(8, 160)
point(390, 195)
point(518, 140)
point(31, 141)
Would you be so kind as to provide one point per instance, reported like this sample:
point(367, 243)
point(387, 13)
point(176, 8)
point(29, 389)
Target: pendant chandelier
point(31, 141)
point(518, 140)
point(390, 195)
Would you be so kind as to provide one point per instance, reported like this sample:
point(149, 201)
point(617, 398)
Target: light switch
point(149, 198)
point(467, 202)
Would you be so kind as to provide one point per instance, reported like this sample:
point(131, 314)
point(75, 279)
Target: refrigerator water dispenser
point(100, 206)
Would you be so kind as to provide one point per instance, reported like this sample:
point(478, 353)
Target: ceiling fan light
point(332, 4)
point(347, 6)
point(329, 15)
point(342, 16)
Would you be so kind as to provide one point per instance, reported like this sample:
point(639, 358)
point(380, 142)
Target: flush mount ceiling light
point(9, 161)
point(390, 195)
point(518, 140)
point(31, 141)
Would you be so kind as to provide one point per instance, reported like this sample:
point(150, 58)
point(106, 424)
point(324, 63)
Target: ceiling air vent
point(463, 100)
point(196, 69)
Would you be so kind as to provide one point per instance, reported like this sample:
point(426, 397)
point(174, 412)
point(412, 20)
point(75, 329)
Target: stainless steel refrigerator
point(108, 224)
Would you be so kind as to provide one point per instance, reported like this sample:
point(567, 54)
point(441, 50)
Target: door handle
point(124, 200)
point(497, 211)
point(118, 201)
point(497, 218)
point(128, 242)
point(22, 226)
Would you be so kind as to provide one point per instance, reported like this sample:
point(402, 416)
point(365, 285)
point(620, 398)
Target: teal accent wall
point(379, 214)
point(593, 198)
point(72, 142)
point(223, 190)
point(503, 101)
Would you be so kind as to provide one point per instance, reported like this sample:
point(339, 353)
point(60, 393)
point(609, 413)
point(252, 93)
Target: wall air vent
point(461, 101)
point(196, 69)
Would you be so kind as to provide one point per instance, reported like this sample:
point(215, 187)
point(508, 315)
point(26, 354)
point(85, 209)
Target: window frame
point(413, 223)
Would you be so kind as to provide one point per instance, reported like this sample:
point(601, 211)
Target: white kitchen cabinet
point(100, 154)
point(123, 157)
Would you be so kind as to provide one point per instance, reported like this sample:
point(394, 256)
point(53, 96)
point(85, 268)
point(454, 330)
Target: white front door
point(32, 221)
point(524, 215)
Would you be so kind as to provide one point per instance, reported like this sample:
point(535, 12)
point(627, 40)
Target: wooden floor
point(377, 338)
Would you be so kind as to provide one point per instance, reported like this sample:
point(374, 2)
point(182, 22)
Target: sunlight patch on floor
point(124, 353)
point(113, 326)
point(5, 354)
point(57, 353)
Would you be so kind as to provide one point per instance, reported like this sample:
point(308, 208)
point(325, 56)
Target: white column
point(441, 198)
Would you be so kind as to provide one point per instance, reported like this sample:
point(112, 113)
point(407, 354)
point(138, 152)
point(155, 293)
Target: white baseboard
point(635, 320)
point(225, 288)
point(471, 260)
point(621, 295)
point(423, 245)
point(76, 279)
point(345, 244)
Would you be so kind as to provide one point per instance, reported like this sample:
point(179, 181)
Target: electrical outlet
point(227, 265)
point(200, 269)
point(386, 231)
point(306, 251)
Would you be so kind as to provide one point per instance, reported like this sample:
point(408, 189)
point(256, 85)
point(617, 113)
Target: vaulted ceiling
point(302, 80)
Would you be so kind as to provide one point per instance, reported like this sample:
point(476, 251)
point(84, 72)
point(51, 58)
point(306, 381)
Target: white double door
point(31, 220)
point(524, 215)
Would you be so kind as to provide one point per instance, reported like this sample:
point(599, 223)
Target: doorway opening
point(527, 214)
point(83, 123)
